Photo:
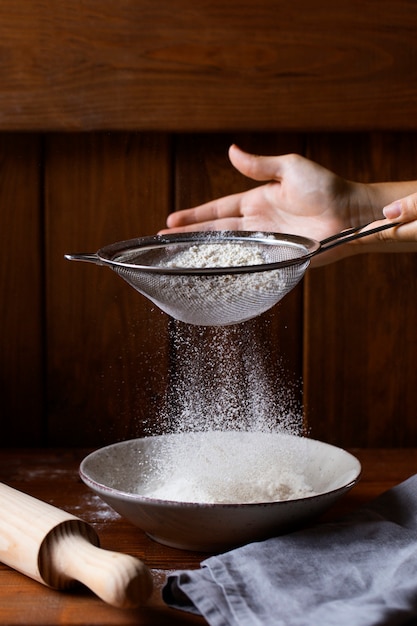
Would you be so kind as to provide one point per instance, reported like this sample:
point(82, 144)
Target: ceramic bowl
point(125, 475)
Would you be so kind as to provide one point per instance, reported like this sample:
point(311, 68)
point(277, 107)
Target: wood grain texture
point(21, 284)
point(270, 65)
point(106, 342)
point(360, 333)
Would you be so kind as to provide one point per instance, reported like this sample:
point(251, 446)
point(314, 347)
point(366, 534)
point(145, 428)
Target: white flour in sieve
point(225, 254)
point(225, 298)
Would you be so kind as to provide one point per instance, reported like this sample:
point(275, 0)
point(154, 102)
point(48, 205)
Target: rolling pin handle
point(119, 579)
point(57, 549)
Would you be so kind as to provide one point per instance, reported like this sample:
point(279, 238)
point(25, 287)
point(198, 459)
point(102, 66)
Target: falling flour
point(224, 384)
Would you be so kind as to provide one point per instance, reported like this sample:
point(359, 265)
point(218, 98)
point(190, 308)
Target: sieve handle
point(88, 257)
point(351, 234)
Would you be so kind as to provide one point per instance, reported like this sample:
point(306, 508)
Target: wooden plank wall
point(128, 111)
point(360, 332)
point(214, 66)
point(22, 304)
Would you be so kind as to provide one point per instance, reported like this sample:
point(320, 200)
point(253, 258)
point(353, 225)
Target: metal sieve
point(216, 296)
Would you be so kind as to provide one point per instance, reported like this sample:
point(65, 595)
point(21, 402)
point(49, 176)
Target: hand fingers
point(226, 207)
point(255, 167)
point(231, 223)
point(204, 216)
point(404, 209)
point(401, 234)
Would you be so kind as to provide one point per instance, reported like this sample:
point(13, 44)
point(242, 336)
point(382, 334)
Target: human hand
point(301, 197)
point(402, 215)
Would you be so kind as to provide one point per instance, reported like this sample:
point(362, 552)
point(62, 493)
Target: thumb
point(253, 166)
point(404, 209)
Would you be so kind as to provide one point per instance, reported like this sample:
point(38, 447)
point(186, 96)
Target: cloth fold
point(358, 571)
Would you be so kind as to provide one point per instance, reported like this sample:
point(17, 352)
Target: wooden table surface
point(52, 476)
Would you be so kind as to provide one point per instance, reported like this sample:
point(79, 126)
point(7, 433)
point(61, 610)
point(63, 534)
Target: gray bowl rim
point(126, 495)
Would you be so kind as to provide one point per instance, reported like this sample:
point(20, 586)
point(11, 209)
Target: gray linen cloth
point(358, 571)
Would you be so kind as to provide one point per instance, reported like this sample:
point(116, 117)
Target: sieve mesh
point(212, 296)
point(214, 300)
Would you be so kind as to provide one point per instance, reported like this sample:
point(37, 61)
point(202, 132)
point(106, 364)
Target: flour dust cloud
point(225, 405)
point(221, 379)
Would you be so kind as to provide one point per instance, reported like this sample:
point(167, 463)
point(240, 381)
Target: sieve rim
point(307, 247)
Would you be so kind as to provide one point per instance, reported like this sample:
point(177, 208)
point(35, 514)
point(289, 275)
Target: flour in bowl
point(228, 467)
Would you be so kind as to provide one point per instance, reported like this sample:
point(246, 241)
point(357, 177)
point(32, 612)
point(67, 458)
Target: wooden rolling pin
point(58, 549)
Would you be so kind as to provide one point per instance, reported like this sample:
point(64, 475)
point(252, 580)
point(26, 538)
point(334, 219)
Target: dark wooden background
point(113, 114)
